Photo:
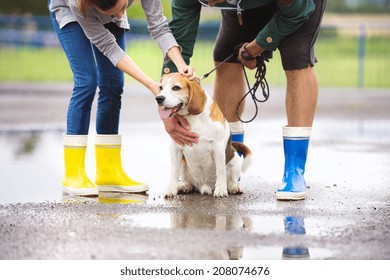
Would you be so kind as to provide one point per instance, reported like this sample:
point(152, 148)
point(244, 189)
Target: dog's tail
point(245, 152)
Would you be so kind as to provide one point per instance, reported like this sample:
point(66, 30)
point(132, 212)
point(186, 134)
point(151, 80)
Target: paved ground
point(345, 216)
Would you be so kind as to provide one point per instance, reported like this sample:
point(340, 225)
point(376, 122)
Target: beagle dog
point(212, 166)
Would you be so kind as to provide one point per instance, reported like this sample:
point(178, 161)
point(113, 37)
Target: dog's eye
point(161, 88)
point(176, 88)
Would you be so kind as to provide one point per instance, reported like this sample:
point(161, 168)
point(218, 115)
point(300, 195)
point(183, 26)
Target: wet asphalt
point(346, 214)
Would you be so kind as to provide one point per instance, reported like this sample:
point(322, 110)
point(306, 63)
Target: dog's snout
point(160, 99)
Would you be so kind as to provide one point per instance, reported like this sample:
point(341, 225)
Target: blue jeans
point(91, 69)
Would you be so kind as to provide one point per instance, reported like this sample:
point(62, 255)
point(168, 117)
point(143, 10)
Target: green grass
point(337, 55)
point(33, 65)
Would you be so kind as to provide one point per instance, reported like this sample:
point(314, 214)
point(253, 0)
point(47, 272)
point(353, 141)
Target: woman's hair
point(100, 4)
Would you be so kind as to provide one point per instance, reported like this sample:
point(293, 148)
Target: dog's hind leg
point(232, 185)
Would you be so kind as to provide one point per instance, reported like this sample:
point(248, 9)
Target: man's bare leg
point(301, 97)
point(229, 89)
point(301, 102)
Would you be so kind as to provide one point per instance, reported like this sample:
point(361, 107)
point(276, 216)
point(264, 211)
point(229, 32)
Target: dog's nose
point(160, 99)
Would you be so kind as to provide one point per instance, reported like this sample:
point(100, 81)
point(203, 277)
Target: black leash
point(261, 70)
point(216, 67)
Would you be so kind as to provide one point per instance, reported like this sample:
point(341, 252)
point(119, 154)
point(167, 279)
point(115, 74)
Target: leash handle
point(261, 71)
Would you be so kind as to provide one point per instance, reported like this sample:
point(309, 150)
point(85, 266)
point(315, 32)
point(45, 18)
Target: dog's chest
point(209, 131)
point(200, 158)
point(200, 161)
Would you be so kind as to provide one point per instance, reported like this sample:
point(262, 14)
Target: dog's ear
point(197, 99)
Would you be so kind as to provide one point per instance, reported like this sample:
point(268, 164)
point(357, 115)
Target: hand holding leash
point(246, 57)
point(258, 61)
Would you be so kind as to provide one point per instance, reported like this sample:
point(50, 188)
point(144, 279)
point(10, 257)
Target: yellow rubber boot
point(75, 180)
point(110, 176)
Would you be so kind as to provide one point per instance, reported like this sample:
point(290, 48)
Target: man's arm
point(289, 17)
point(184, 26)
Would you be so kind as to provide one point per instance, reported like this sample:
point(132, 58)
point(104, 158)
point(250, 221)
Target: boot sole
point(81, 191)
point(124, 189)
point(290, 196)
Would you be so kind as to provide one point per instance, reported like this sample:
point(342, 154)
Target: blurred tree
point(21, 7)
point(359, 6)
point(39, 7)
point(337, 6)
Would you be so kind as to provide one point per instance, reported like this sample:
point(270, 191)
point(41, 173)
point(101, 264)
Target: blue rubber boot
point(295, 225)
point(295, 143)
point(237, 131)
point(238, 137)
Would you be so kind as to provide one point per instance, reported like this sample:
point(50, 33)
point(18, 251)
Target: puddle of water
point(31, 162)
point(262, 225)
point(30, 167)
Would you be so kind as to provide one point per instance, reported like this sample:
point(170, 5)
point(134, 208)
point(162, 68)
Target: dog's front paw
point(169, 195)
point(235, 189)
point(171, 192)
point(220, 192)
point(184, 187)
point(204, 189)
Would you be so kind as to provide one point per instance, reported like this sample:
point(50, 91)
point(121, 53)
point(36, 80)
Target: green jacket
point(288, 18)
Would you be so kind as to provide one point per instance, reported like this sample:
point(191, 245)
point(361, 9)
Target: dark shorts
point(296, 50)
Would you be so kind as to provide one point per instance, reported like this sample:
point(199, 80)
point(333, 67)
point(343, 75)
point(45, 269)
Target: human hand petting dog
point(179, 130)
point(174, 54)
point(188, 71)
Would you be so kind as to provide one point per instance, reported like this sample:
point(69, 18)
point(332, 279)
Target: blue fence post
point(362, 54)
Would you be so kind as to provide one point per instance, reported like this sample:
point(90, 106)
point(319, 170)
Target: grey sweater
point(66, 11)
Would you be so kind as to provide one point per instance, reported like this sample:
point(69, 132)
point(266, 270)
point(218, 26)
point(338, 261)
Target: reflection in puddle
point(214, 222)
point(30, 167)
point(289, 229)
point(108, 198)
point(24, 144)
point(293, 250)
point(122, 198)
point(73, 199)
point(295, 225)
point(289, 225)
point(195, 221)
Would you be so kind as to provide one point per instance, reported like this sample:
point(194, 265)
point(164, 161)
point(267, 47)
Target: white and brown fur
point(211, 166)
